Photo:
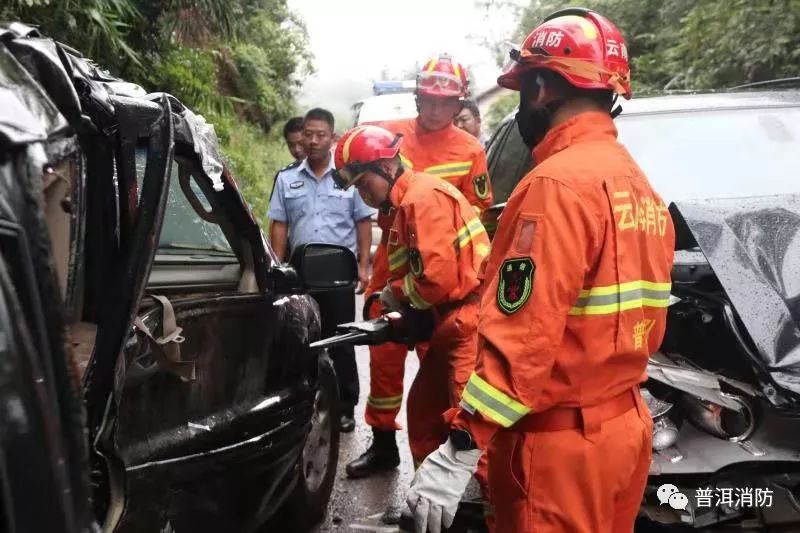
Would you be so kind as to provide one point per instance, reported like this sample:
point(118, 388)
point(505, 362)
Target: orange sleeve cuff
point(482, 430)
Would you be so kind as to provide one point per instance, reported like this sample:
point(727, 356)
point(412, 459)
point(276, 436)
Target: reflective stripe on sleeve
point(398, 258)
point(410, 290)
point(492, 403)
point(388, 403)
point(612, 299)
point(460, 168)
point(472, 229)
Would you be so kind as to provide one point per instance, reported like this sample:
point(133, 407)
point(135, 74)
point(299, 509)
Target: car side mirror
point(325, 267)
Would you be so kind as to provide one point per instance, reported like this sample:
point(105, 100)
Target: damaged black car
point(155, 368)
point(724, 389)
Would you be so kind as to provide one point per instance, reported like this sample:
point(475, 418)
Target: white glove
point(438, 486)
point(389, 300)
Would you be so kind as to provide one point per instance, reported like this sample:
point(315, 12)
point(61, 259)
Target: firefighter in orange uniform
point(431, 144)
point(574, 301)
point(438, 243)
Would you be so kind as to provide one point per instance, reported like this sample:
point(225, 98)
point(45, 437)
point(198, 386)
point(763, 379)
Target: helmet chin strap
point(616, 109)
point(386, 205)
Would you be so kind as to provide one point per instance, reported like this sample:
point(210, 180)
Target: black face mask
point(533, 122)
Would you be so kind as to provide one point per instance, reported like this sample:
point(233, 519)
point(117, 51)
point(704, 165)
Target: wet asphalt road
point(357, 504)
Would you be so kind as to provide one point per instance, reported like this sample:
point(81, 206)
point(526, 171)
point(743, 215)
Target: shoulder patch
point(415, 262)
point(291, 165)
point(515, 286)
point(284, 169)
point(481, 185)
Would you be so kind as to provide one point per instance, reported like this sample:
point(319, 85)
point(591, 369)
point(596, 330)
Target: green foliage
point(737, 41)
point(98, 28)
point(267, 101)
point(190, 75)
point(253, 158)
point(500, 109)
point(696, 44)
point(237, 62)
point(270, 52)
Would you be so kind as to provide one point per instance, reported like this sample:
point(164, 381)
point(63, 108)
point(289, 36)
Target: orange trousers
point(446, 363)
point(387, 362)
point(443, 374)
point(569, 481)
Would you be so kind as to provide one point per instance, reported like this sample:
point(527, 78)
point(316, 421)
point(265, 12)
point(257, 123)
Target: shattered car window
point(183, 230)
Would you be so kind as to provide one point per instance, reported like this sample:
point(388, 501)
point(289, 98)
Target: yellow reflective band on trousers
point(612, 299)
point(450, 170)
point(398, 258)
point(388, 403)
point(410, 290)
point(470, 231)
point(492, 403)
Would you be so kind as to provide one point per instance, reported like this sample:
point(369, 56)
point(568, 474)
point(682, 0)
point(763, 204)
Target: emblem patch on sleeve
point(516, 284)
point(415, 262)
point(481, 186)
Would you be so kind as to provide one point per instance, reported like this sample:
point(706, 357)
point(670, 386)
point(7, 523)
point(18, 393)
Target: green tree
point(238, 62)
point(696, 44)
point(98, 28)
point(500, 109)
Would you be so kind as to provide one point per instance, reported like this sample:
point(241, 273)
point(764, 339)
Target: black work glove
point(418, 325)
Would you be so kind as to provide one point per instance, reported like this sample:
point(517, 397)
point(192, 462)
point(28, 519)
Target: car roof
point(674, 103)
point(708, 101)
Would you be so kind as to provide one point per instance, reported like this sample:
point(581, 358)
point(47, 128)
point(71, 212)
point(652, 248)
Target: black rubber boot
point(382, 455)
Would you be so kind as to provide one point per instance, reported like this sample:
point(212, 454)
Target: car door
point(212, 421)
point(44, 478)
point(42, 451)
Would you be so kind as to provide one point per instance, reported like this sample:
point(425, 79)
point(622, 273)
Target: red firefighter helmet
point(443, 77)
point(358, 149)
point(584, 47)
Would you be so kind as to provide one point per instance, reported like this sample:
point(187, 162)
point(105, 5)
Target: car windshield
point(717, 153)
point(722, 153)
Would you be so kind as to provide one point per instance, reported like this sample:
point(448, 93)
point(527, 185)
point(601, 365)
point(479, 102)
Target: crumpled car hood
point(753, 246)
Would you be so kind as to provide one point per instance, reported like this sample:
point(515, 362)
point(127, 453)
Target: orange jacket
point(577, 282)
point(450, 154)
point(436, 243)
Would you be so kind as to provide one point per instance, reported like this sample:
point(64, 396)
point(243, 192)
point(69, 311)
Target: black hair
point(320, 114)
point(473, 108)
point(293, 125)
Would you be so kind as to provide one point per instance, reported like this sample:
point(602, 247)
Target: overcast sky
point(353, 41)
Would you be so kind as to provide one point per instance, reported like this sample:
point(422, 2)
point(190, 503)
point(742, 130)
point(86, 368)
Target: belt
point(587, 418)
point(448, 307)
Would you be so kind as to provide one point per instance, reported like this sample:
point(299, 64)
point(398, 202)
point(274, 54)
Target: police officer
point(308, 206)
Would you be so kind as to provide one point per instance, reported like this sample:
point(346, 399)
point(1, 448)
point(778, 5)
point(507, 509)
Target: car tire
point(317, 464)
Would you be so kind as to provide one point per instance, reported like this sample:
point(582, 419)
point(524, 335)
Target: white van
point(384, 107)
